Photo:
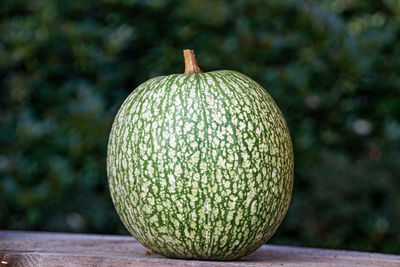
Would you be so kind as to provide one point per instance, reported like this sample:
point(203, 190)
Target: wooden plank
point(60, 249)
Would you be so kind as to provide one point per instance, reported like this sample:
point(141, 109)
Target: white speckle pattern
point(200, 166)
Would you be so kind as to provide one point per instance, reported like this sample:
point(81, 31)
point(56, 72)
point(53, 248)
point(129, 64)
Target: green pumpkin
point(200, 165)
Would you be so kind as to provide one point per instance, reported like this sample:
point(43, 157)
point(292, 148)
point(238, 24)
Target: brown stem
point(191, 66)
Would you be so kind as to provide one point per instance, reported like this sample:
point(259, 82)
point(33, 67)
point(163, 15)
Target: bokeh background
point(332, 66)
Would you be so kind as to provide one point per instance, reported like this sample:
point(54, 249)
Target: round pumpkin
point(200, 165)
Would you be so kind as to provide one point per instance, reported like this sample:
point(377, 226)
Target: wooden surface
point(59, 249)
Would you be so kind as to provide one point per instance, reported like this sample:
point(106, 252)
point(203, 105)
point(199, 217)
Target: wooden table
point(60, 249)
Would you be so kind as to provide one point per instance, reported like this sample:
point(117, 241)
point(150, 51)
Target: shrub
point(332, 66)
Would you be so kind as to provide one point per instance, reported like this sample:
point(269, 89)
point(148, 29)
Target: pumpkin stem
point(191, 66)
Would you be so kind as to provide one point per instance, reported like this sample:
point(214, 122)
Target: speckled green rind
point(200, 166)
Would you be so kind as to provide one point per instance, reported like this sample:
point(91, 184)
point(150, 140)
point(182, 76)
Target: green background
point(333, 67)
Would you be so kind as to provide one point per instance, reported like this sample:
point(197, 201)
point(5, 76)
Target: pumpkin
point(200, 165)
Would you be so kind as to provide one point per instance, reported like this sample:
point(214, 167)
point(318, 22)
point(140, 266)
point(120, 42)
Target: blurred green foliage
point(332, 66)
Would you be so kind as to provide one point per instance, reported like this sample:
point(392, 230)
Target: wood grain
point(60, 249)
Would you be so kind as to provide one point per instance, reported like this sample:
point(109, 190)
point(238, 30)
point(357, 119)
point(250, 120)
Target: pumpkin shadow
point(279, 254)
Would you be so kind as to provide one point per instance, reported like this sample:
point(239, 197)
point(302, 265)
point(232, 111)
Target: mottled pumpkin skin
point(200, 166)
